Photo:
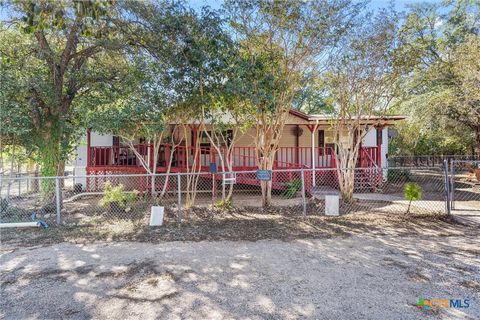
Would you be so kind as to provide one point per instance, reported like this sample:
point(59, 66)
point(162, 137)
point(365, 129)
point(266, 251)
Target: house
point(306, 142)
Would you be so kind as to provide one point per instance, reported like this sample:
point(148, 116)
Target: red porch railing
point(369, 157)
point(244, 158)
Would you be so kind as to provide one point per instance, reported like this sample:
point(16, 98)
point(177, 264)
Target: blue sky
point(374, 4)
point(216, 4)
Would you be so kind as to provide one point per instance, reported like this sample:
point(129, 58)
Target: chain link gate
point(464, 186)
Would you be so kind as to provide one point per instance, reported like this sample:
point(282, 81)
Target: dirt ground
point(357, 277)
point(250, 224)
point(243, 265)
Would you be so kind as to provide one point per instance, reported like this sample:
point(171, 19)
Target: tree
point(283, 43)
point(362, 83)
point(439, 57)
point(63, 40)
point(14, 128)
point(413, 192)
point(191, 50)
point(140, 110)
point(227, 120)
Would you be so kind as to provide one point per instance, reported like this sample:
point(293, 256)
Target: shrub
point(413, 192)
point(117, 197)
point(292, 188)
point(223, 205)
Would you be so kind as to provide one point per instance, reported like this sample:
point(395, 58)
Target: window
point(205, 141)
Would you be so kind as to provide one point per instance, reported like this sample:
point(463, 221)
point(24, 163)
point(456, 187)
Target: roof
point(321, 118)
point(299, 114)
point(301, 118)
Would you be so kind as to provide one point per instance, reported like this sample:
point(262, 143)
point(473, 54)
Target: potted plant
point(116, 198)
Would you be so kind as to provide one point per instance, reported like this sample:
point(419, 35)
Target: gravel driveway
point(358, 277)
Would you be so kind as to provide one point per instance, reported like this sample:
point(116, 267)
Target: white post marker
point(332, 204)
point(156, 216)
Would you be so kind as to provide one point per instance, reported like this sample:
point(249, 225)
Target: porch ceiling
point(367, 120)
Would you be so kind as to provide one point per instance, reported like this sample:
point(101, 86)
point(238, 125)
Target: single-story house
point(306, 142)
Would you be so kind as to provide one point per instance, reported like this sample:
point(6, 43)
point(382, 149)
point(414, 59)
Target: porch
point(124, 159)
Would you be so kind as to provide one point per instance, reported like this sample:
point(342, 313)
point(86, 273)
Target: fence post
point(19, 185)
point(447, 187)
point(452, 185)
point(179, 191)
point(302, 174)
point(58, 200)
point(223, 184)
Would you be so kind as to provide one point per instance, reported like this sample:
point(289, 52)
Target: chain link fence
point(100, 199)
point(464, 186)
point(427, 160)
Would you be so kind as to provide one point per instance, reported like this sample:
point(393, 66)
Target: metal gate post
point(452, 185)
point(58, 199)
point(302, 173)
point(447, 187)
point(179, 191)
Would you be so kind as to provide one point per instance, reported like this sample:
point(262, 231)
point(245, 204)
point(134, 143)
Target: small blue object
point(213, 167)
point(264, 175)
point(42, 223)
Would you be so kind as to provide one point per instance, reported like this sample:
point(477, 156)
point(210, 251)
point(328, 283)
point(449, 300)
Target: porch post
point(313, 158)
point(313, 129)
point(88, 148)
point(150, 154)
point(379, 133)
point(194, 129)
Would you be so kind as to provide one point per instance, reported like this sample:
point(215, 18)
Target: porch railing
point(369, 157)
point(244, 158)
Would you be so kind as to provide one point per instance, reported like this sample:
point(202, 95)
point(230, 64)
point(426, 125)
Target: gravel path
point(358, 277)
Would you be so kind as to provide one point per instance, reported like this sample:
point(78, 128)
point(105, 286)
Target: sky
point(216, 4)
point(374, 4)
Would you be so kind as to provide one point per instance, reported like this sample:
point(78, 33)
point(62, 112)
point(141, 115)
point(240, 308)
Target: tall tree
point(439, 57)
point(283, 43)
point(361, 82)
point(193, 48)
point(65, 40)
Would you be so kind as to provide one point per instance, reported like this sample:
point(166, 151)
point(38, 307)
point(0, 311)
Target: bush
point(292, 188)
point(223, 205)
point(116, 197)
point(413, 192)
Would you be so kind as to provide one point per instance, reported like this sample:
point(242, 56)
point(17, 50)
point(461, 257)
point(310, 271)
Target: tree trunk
point(346, 163)
point(266, 163)
point(61, 172)
point(35, 184)
point(50, 160)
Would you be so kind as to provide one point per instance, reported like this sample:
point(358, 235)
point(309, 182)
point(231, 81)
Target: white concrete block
point(332, 205)
point(156, 216)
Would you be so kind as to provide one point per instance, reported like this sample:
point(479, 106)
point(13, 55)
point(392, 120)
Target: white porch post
point(314, 164)
point(148, 155)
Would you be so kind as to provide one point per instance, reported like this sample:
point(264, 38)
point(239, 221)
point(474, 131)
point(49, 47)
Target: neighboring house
point(307, 142)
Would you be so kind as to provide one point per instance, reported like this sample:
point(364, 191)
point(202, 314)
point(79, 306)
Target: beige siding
point(291, 119)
